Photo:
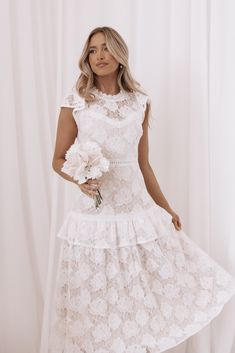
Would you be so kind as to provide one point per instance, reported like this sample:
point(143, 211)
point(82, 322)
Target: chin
point(101, 74)
point(105, 73)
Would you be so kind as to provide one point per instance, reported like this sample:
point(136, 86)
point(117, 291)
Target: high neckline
point(104, 95)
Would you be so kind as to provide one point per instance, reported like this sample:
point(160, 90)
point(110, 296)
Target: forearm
point(153, 188)
point(57, 165)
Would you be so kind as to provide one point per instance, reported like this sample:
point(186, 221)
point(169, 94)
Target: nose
point(100, 54)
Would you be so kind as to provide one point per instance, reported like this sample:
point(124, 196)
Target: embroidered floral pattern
point(119, 305)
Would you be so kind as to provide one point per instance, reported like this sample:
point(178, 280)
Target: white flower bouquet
point(85, 161)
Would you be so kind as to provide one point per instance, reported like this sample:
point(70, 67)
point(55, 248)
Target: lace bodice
point(113, 121)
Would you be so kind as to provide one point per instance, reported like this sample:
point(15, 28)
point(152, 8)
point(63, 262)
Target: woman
point(129, 279)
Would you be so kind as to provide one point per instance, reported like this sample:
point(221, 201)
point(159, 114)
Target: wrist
point(169, 210)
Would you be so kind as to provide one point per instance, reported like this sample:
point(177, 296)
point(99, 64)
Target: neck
point(107, 84)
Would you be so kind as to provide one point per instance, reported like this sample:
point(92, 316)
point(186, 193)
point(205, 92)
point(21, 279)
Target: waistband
point(123, 161)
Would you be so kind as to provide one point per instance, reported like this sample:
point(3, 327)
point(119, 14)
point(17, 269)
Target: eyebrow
point(93, 46)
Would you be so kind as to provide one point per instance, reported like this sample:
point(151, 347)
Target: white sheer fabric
point(127, 281)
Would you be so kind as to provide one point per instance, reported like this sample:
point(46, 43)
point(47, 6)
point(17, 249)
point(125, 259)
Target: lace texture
point(135, 299)
point(127, 281)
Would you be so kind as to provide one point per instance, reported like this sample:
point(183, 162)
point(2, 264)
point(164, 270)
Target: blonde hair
point(119, 50)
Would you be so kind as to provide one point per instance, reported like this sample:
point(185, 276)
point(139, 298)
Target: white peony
point(85, 161)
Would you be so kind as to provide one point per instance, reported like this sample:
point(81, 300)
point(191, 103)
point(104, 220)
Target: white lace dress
point(127, 281)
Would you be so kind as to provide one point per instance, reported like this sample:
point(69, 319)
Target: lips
point(101, 64)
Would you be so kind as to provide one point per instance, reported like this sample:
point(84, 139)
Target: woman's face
point(99, 54)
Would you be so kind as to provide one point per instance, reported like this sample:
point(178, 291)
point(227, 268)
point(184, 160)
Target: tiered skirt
point(132, 284)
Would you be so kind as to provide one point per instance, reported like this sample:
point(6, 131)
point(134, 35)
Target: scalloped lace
point(107, 95)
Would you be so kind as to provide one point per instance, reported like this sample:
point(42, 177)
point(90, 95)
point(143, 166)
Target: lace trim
point(104, 95)
point(117, 107)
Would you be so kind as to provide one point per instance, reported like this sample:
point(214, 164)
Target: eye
point(91, 51)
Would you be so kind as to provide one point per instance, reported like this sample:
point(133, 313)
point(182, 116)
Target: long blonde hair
point(118, 48)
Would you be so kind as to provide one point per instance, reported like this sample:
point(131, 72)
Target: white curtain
point(183, 53)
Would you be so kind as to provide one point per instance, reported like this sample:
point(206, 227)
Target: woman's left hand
point(175, 220)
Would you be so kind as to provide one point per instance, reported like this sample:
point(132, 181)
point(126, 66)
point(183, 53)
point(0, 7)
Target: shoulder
point(143, 99)
point(73, 100)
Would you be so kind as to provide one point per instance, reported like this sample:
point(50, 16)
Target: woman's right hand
point(90, 187)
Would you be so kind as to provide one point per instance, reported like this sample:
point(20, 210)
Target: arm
point(65, 136)
point(66, 133)
point(146, 169)
point(150, 180)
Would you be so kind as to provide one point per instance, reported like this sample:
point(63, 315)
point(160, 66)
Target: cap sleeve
point(73, 100)
point(143, 100)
